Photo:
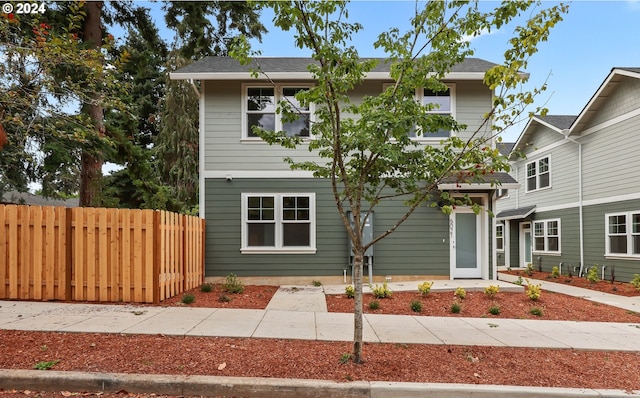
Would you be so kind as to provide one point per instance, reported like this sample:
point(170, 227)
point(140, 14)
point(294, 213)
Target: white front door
point(466, 244)
point(525, 244)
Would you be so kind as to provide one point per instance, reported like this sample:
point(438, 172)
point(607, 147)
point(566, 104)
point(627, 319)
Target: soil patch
point(605, 286)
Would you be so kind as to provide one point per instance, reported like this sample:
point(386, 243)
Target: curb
point(180, 385)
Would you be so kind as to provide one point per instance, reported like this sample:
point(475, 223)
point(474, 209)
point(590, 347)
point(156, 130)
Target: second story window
point(538, 174)
point(442, 103)
point(260, 107)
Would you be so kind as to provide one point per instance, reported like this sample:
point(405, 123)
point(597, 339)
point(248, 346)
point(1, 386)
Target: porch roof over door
point(516, 214)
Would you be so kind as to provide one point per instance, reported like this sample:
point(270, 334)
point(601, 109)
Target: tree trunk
point(358, 260)
point(91, 162)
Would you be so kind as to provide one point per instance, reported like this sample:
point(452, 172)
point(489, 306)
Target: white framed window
point(623, 234)
point(278, 223)
point(538, 174)
point(500, 237)
point(443, 103)
point(259, 106)
point(546, 236)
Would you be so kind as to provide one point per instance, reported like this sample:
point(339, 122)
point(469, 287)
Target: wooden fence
point(97, 254)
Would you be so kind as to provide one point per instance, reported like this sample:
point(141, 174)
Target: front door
point(525, 244)
point(466, 244)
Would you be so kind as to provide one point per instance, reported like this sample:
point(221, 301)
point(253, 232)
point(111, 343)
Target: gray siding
point(569, 240)
point(611, 161)
point(419, 247)
point(624, 99)
point(539, 137)
point(224, 149)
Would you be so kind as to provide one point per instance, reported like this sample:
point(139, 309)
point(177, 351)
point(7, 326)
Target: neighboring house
point(579, 200)
point(273, 224)
point(26, 198)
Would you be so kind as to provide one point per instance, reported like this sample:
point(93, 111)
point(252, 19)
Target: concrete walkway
point(299, 312)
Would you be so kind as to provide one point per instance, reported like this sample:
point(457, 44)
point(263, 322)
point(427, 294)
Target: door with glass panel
point(465, 241)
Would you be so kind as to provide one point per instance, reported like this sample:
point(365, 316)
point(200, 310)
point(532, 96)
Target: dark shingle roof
point(292, 64)
point(514, 214)
point(562, 122)
point(635, 70)
point(505, 147)
point(26, 198)
point(500, 177)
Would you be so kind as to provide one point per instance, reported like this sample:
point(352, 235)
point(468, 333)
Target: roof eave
point(478, 186)
point(478, 76)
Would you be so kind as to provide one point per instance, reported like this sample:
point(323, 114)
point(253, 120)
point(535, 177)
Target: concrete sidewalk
point(299, 312)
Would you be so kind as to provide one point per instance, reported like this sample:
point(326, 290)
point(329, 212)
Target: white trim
point(526, 225)
point(608, 123)
point(628, 222)
point(537, 174)
point(257, 174)
point(499, 224)
point(545, 236)
point(201, 152)
point(278, 222)
point(482, 241)
point(540, 152)
point(479, 76)
point(591, 202)
point(278, 96)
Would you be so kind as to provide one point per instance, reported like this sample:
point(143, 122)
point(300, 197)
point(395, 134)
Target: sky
point(594, 37)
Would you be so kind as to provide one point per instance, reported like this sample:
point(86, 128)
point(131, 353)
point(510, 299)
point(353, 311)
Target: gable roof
point(228, 68)
point(505, 147)
point(597, 100)
point(26, 198)
point(558, 123)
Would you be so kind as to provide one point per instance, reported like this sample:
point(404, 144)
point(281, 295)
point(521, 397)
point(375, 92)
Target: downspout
point(580, 216)
point(201, 147)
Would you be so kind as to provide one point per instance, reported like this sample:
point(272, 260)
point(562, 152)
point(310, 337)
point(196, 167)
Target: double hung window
point(442, 104)
point(538, 174)
point(546, 236)
point(623, 234)
point(500, 237)
point(260, 107)
point(278, 223)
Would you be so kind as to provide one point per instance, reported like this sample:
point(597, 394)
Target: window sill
point(271, 250)
point(539, 189)
point(622, 257)
point(548, 253)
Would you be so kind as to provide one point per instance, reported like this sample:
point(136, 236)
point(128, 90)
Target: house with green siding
point(579, 200)
point(269, 224)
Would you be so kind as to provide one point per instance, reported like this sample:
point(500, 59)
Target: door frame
point(482, 241)
point(524, 226)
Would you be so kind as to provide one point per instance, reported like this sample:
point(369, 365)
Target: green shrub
point(529, 270)
point(425, 287)
point(494, 310)
point(316, 283)
point(416, 306)
point(492, 290)
point(460, 293)
point(455, 307)
point(635, 282)
point(374, 305)
point(233, 285)
point(188, 298)
point(46, 365)
point(533, 291)
point(206, 288)
point(381, 291)
point(536, 311)
point(350, 291)
point(592, 274)
point(555, 272)
point(518, 281)
point(223, 298)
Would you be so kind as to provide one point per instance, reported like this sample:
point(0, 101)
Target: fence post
point(68, 258)
point(156, 256)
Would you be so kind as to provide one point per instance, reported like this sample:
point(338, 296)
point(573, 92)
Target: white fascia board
point(301, 76)
point(475, 187)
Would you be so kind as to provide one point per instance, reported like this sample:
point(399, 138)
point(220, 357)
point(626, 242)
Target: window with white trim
point(500, 237)
point(443, 103)
point(546, 236)
point(278, 223)
point(538, 174)
point(623, 234)
point(260, 107)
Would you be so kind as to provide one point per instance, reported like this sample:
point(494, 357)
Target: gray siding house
point(269, 224)
point(579, 200)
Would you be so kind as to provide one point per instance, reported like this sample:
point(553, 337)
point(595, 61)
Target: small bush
point(518, 281)
point(529, 270)
point(536, 311)
point(425, 287)
point(188, 298)
point(223, 298)
point(350, 291)
point(345, 358)
point(460, 293)
point(492, 290)
point(533, 291)
point(555, 272)
point(592, 274)
point(46, 365)
point(416, 306)
point(494, 310)
point(374, 305)
point(381, 291)
point(455, 307)
point(233, 285)
point(635, 282)
point(206, 288)
point(316, 283)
